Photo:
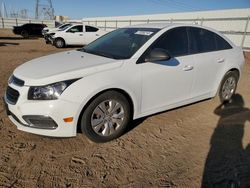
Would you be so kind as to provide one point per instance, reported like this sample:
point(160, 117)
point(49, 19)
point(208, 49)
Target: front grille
point(12, 95)
point(16, 81)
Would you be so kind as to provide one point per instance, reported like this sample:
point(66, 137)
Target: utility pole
point(3, 12)
point(44, 10)
point(37, 5)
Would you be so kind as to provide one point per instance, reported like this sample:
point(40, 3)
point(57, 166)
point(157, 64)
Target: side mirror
point(157, 54)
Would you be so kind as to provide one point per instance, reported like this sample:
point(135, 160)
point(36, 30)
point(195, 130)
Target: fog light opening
point(40, 122)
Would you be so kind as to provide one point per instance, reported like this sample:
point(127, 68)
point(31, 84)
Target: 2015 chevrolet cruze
point(126, 74)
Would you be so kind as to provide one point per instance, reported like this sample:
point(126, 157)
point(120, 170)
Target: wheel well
point(130, 101)
point(235, 70)
point(60, 38)
point(231, 70)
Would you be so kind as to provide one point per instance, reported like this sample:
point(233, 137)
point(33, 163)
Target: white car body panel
point(168, 74)
point(81, 64)
point(152, 87)
point(78, 38)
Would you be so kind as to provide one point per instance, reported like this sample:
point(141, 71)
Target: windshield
point(121, 43)
point(64, 27)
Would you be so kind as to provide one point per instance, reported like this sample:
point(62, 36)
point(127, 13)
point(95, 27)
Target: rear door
point(90, 34)
point(210, 58)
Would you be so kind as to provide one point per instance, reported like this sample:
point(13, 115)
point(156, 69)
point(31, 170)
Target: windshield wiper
point(99, 53)
point(104, 55)
point(81, 50)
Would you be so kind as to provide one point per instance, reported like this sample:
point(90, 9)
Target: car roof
point(172, 25)
point(151, 25)
point(165, 25)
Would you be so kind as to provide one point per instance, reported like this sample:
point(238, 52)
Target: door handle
point(220, 60)
point(188, 68)
point(80, 34)
point(97, 35)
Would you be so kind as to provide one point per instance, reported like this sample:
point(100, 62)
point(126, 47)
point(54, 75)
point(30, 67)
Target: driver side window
point(75, 29)
point(174, 41)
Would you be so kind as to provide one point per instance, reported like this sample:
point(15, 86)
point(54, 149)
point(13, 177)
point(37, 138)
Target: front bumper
point(48, 39)
point(51, 39)
point(54, 110)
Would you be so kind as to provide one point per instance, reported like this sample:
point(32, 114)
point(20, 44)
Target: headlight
point(48, 92)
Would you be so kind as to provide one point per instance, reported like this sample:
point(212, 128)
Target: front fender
point(83, 90)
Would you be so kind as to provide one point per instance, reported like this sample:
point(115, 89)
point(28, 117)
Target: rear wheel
point(25, 34)
point(106, 117)
point(228, 86)
point(59, 43)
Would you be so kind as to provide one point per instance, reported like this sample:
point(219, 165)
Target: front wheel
point(228, 86)
point(59, 43)
point(106, 117)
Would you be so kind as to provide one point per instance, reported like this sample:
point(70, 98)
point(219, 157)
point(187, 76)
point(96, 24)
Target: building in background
point(62, 18)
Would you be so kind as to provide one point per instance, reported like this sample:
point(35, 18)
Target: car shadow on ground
point(74, 47)
point(8, 43)
point(139, 121)
point(18, 38)
point(133, 124)
point(228, 163)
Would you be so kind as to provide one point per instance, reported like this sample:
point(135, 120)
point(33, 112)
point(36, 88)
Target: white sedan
point(126, 74)
point(51, 31)
point(77, 34)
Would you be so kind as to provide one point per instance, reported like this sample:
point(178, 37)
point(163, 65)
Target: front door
point(74, 35)
point(169, 82)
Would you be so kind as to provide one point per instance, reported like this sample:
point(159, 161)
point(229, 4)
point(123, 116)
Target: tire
point(25, 34)
point(228, 86)
point(110, 119)
point(59, 43)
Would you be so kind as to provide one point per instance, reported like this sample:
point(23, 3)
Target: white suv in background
point(77, 34)
point(126, 74)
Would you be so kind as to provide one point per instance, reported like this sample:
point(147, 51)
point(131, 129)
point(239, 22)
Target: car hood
point(63, 66)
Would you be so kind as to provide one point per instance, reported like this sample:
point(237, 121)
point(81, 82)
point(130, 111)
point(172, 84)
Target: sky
point(77, 9)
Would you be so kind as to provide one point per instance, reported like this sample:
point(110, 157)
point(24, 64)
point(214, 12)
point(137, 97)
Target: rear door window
point(202, 40)
point(90, 29)
point(221, 43)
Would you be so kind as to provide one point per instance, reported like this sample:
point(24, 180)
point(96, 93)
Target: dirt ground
point(202, 144)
